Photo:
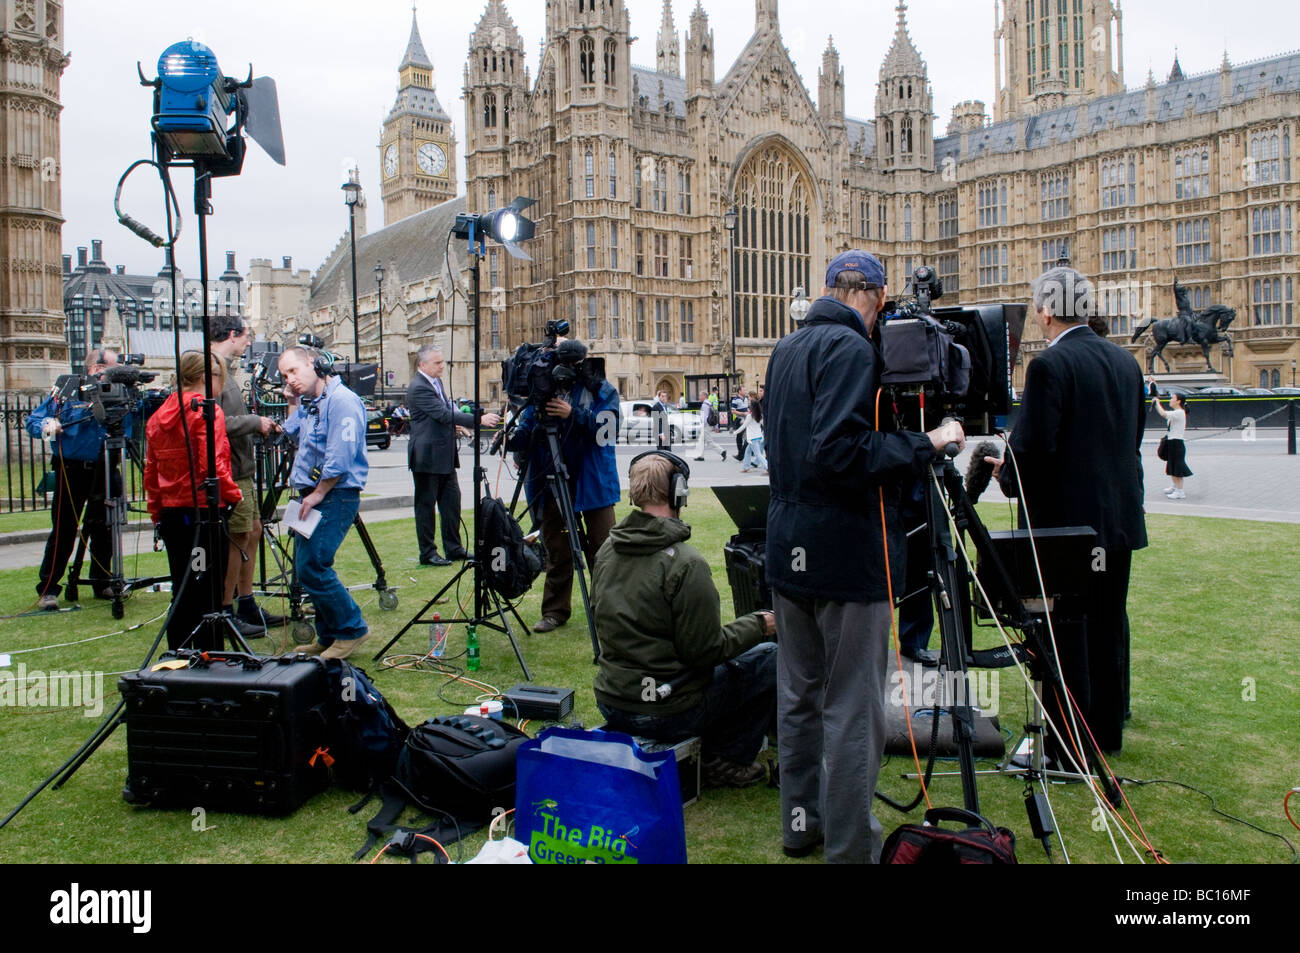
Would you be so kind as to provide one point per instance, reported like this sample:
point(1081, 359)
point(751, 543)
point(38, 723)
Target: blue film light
point(192, 102)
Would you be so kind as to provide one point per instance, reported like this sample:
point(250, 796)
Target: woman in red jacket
point(175, 466)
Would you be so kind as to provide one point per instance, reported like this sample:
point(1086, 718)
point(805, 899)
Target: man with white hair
point(1076, 462)
point(431, 455)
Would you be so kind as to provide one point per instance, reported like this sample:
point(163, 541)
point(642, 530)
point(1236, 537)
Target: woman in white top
point(752, 433)
point(1175, 447)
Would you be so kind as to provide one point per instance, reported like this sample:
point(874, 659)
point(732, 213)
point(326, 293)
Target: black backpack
point(365, 733)
point(461, 764)
point(509, 563)
point(979, 843)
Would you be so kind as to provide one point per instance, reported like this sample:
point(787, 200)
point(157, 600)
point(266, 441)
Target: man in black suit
point(431, 455)
point(662, 430)
point(1077, 452)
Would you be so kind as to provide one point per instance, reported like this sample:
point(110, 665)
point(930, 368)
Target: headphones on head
point(321, 364)
point(678, 481)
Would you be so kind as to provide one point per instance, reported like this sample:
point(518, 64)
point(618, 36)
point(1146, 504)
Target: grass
point(1215, 612)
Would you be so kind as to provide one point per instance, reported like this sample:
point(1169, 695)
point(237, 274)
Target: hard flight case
point(226, 732)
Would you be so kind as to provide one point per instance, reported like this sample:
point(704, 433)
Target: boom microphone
point(979, 472)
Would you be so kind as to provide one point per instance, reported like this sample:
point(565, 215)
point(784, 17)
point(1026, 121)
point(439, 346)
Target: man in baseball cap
point(826, 559)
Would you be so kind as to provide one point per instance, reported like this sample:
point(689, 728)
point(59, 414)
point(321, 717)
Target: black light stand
point(483, 593)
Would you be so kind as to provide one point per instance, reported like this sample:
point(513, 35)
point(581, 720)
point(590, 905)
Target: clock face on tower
point(432, 159)
point(390, 161)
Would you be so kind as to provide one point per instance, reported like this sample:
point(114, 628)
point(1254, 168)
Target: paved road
point(1234, 478)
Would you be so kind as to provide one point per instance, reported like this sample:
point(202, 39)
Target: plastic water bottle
point(437, 636)
point(471, 650)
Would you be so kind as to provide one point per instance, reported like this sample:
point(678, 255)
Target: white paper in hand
point(303, 527)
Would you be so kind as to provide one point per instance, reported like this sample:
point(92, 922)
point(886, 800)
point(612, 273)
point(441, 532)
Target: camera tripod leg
point(387, 596)
point(558, 479)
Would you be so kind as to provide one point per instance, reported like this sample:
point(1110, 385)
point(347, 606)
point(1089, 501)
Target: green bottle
point(471, 650)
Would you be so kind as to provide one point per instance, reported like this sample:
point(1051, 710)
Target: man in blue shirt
point(329, 472)
point(78, 466)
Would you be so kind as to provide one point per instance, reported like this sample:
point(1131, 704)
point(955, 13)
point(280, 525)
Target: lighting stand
point(483, 593)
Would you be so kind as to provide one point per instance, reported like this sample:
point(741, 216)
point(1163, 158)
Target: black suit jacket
point(1077, 440)
point(432, 446)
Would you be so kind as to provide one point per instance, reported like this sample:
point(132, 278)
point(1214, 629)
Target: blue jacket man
point(329, 472)
point(832, 470)
point(587, 430)
point(79, 486)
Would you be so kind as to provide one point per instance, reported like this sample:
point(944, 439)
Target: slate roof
point(413, 247)
point(660, 87)
point(1201, 93)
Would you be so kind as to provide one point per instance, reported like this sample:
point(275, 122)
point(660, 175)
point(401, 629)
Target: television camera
point(949, 362)
point(538, 372)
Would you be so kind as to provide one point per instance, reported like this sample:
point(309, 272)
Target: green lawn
point(1215, 612)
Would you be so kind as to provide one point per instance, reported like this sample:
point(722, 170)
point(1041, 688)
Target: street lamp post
point(379, 285)
point(351, 195)
point(1293, 372)
point(729, 219)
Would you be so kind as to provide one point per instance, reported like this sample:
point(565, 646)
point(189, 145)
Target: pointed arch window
point(490, 110)
point(587, 60)
point(611, 63)
point(905, 137)
point(773, 242)
point(907, 222)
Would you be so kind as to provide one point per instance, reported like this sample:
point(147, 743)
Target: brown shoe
point(342, 648)
point(312, 648)
point(547, 624)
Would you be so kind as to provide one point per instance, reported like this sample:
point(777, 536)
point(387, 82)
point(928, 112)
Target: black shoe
point(435, 561)
point(463, 554)
point(547, 624)
point(724, 454)
point(265, 619)
point(246, 629)
point(927, 657)
point(699, 458)
point(805, 850)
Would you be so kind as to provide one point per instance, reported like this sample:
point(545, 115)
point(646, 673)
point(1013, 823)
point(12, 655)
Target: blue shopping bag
point(594, 796)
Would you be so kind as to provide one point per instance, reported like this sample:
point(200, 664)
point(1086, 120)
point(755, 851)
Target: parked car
point(637, 426)
point(1287, 391)
point(1258, 392)
point(377, 434)
point(1221, 391)
point(1164, 390)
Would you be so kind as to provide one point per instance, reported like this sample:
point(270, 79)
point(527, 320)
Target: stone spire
point(765, 17)
point(902, 58)
point(415, 55)
point(667, 51)
point(1176, 73)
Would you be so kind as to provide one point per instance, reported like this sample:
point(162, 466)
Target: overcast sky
point(337, 74)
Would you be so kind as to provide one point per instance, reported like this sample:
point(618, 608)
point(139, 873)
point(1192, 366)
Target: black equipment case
point(227, 732)
point(745, 553)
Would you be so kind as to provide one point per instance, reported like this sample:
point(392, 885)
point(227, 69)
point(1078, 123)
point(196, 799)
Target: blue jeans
point(337, 614)
point(738, 709)
point(754, 456)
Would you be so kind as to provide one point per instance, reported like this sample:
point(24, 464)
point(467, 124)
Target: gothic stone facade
point(32, 346)
point(635, 167)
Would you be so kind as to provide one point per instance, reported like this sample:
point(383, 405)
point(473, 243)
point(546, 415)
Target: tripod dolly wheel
point(119, 607)
point(304, 633)
point(388, 599)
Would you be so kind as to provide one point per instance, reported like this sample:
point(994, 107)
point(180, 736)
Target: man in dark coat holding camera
point(835, 483)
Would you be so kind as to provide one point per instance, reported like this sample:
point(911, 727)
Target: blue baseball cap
point(865, 264)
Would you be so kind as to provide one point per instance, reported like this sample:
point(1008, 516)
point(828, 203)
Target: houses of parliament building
point(636, 168)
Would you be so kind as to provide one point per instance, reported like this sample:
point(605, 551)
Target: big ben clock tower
point(417, 151)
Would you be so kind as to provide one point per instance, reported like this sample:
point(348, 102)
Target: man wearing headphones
point(78, 467)
point(329, 473)
point(668, 667)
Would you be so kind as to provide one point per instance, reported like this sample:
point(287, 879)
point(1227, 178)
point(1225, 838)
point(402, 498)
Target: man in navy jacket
point(832, 471)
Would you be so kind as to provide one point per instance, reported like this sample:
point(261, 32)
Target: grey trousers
point(831, 671)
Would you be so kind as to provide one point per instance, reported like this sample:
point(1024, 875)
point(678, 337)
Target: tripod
point(115, 515)
point(557, 482)
point(484, 594)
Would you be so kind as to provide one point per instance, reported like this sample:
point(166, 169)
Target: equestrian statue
point(1188, 327)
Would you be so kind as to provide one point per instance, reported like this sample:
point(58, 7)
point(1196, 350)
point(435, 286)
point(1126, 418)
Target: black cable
point(1295, 856)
